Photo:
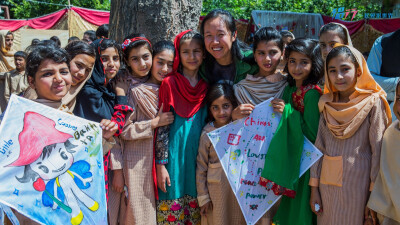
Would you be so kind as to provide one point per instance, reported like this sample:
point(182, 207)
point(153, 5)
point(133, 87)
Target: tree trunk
point(157, 19)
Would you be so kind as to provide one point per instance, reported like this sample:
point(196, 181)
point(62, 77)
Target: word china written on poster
point(242, 147)
point(51, 165)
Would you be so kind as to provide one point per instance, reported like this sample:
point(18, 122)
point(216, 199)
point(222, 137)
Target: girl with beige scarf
point(355, 114)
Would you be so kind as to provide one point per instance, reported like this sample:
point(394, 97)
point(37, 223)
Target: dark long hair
point(215, 92)
point(337, 28)
point(237, 45)
point(80, 47)
point(136, 44)
point(341, 50)
point(41, 52)
point(268, 34)
point(311, 49)
point(163, 45)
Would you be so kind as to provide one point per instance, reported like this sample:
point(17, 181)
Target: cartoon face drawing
point(45, 165)
point(47, 155)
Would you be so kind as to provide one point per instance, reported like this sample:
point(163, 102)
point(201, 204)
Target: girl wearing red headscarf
point(182, 93)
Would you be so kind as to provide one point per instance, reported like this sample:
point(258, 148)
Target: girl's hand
point(278, 105)
point(119, 91)
point(118, 181)
point(162, 177)
point(162, 119)
point(206, 208)
point(243, 110)
point(370, 217)
point(109, 128)
point(315, 199)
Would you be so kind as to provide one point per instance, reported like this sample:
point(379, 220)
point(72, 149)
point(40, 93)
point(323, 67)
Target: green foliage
point(241, 9)
point(23, 9)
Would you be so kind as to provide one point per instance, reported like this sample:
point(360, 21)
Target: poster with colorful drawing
point(241, 147)
point(51, 165)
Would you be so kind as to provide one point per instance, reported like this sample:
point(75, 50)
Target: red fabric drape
point(93, 16)
point(352, 26)
point(48, 21)
point(12, 25)
point(385, 25)
point(42, 23)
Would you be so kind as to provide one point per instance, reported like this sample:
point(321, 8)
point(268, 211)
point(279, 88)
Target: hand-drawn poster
point(51, 165)
point(241, 147)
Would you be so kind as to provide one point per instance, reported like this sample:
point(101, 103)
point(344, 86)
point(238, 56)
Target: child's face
point(327, 40)
point(299, 66)
point(396, 106)
point(9, 41)
point(342, 74)
point(140, 61)
point(267, 55)
point(218, 40)
point(57, 162)
point(111, 62)
point(19, 63)
point(191, 54)
point(162, 65)
point(52, 80)
point(80, 67)
point(221, 109)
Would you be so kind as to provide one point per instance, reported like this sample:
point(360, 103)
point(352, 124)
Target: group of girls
point(160, 107)
point(345, 113)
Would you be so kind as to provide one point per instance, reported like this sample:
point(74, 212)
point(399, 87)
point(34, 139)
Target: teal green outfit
point(183, 137)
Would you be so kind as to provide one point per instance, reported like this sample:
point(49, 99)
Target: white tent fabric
point(300, 24)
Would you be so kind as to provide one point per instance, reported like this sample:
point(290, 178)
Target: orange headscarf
point(344, 119)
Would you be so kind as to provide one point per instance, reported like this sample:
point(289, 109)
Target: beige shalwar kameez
point(346, 173)
point(137, 138)
point(213, 185)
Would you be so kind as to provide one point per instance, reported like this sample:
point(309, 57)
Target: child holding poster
point(268, 82)
point(48, 74)
point(218, 204)
point(300, 116)
point(355, 114)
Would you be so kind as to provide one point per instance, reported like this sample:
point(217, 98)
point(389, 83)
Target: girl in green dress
point(300, 117)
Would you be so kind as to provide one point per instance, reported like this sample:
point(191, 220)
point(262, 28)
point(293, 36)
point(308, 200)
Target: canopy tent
point(75, 21)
